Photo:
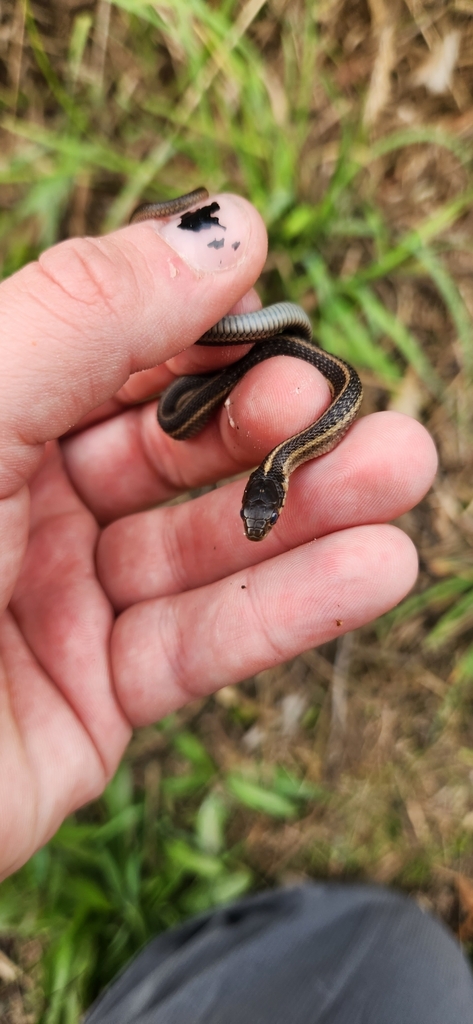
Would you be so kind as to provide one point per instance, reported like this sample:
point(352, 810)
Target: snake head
point(263, 499)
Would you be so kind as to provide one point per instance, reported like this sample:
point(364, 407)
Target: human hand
point(107, 627)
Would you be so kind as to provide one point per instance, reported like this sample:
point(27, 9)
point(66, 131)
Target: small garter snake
point(282, 329)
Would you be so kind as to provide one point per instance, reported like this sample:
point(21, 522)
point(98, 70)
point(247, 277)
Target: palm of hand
point(62, 725)
point(76, 676)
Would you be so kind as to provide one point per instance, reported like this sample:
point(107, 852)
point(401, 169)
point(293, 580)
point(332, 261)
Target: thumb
point(90, 311)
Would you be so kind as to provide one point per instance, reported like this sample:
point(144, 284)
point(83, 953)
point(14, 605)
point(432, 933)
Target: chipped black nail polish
point(201, 219)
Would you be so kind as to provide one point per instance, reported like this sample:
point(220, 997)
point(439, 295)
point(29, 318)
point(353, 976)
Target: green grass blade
point(382, 320)
point(358, 346)
point(463, 670)
point(414, 240)
point(141, 9)
point(58, 91)
point(257, 798)
point(193, 861)
point(83, 154)
point(190, 747)
point(298, 789)
point(454, 622)
point(228, 38)
point(80, 33)
point(454, 302)
point(341, 331)
point(418, 135)
point(210, 824)
point(433, 599)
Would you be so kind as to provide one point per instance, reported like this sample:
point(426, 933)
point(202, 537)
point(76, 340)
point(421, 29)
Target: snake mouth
point(258, 523)
point(258, 529)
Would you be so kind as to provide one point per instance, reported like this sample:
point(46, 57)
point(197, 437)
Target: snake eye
point(242, 513)
point(274, 518)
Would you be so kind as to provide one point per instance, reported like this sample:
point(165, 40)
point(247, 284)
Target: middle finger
point(128, 463)
point(381, 468)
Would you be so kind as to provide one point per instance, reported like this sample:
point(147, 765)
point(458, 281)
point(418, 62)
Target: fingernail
point(211, 236)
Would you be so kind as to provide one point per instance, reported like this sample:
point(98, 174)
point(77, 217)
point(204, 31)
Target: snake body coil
point(187, 404)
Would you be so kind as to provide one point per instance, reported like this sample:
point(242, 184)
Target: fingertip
point(163, 655)
point(215, 235)
point(403, 561)
point(204, 284)
point(271, 403)
point(421, 449)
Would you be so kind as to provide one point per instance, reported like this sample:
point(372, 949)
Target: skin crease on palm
point(113, 612)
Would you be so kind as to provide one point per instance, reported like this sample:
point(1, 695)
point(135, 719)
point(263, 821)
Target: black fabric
point(318, 954)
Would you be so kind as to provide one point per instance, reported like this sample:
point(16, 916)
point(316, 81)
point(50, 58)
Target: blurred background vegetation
point(349, 124)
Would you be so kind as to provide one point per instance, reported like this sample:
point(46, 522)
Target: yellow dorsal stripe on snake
point(281, 329)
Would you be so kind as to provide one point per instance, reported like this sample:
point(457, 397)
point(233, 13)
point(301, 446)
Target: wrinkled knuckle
point(177, 656)
point(85, 271)
point(167, 460)
point(263, 621)
point(174, 551)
